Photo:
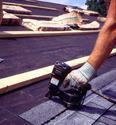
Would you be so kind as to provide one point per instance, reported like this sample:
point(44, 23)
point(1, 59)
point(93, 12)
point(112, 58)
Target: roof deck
point(28, 105)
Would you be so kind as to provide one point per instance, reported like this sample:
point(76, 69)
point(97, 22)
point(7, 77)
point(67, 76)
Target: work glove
point(81, 76)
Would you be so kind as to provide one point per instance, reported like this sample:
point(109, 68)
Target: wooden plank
point(34, 16)
point(23, 79)
point(15, 34)
point(31, 6)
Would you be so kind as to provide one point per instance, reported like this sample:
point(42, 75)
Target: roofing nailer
point(73, 96)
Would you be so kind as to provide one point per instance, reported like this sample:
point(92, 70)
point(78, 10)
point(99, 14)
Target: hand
point(80, 76)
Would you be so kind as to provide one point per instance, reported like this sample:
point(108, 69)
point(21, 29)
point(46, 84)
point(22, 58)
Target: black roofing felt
point(27, 105)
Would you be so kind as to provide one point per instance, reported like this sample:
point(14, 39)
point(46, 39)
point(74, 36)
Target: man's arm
point(1, 12)
point(106, 39)
point(104, 44)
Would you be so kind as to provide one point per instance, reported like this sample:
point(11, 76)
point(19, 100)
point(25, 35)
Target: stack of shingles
point(81, 11)
point(68, 21)
point(36, 25)
point(57, 23)
point(9, 17)
point(94, 111)
point(60, 23)
point(16, 9)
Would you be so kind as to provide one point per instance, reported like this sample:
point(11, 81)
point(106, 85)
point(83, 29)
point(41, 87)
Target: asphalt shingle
point(43, 112)
point(90, 112)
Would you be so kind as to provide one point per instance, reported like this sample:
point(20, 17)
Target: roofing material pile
point(86, 12)
point(69, 21)
point(69, 18)
point(10, 19)
point(90, 12)
point(93, 25)
point(59, 23)
point(36, 25)
point(101, 19)
point(16, 9)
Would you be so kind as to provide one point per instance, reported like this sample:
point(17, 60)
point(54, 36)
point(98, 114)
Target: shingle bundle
point(90, 26)
point(16, 9)
point(90, 12)
point(10, 19)
point(81, 11)
point(69, 18)
point(36, 25)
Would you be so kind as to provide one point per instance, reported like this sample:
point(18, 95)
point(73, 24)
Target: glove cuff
point(88, 71)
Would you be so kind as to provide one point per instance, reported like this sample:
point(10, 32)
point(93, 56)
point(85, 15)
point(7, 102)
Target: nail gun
point(73, 96)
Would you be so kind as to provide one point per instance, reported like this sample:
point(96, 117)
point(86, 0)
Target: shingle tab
point(99, 123)
point(86, 116)
point(103, 80)
point(93, 109)
point(102, 102)
point(111, 114)
point(74, 119)
point(111, 90)
point(43, 112)
point(107, 121)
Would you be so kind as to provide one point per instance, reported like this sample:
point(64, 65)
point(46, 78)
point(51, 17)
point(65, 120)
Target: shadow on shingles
point(96, 110)
point(110, 93)
point(87, 109)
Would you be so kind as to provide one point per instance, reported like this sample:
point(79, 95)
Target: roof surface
point(27, 105)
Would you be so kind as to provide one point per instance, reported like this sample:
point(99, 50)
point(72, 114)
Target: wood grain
point(34, 16)
point(15, 34)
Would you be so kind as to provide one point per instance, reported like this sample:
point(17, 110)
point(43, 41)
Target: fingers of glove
point(77, 78)
point(69, 80)
point(66, 81)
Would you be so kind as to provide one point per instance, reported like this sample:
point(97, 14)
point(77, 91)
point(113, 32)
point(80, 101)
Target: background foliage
point(97, 5)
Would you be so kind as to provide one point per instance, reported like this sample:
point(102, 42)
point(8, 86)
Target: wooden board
point(35, 16)
point(31, 6)
point(23, 79)
point(17, 34)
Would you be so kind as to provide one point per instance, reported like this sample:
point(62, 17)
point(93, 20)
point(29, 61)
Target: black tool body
point(71, 97)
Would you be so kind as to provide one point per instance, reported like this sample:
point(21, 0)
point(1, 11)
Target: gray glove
point(80, 76)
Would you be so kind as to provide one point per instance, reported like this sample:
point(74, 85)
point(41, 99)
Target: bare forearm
point(106, 39)
point(105, 42)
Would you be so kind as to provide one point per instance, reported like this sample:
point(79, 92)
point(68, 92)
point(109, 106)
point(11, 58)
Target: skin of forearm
point(106, 39)
point(104, 44)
